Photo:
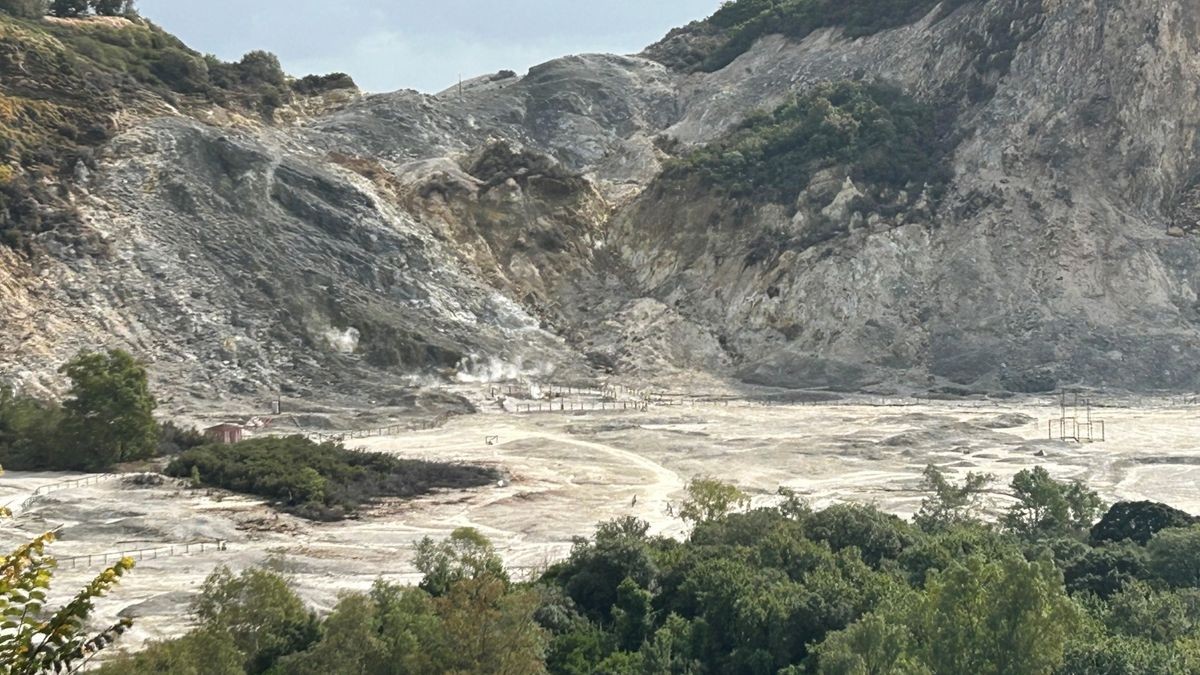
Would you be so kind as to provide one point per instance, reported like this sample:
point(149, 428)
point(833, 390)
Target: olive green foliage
point(949, 505)
point(1174, 556)
point(321, 481)
point(465, 554)
point(29, 430)
point(108, 418)
point(318, 84)
point(1046, 507)
point(113, 7)
point(174, 439)
point(875, 134)
point(260, 613)
point(1138, 522)
point(710, 499)
point(205, 651)
point(68, 8)
point(740, 23)
point(109, 412)
point(1003, 617)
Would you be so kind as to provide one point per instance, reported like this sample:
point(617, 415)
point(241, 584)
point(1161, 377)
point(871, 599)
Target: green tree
point(465, 554)
point(1162, 616)
point(68, 8)
point(1123, 655)
point(594, 570)
point(488, 629)
point(949, 505)
point(264, 617)
point(1107, 569)
point(112, 7)
point(877, 535)
point(1138, 521)
point(350, 644)
point(1174, 556)
point(710, 499)
point(1006, 617)
point(1048, 508)
point(632, 615)
point(29, 431)
point(109, 412)
point(870, 646)
point(200, 652)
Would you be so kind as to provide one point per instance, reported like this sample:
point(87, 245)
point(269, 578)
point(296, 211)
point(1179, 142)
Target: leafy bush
point(1138, 521)
point(174, 439)
point(880, 136)
point(1175, 556)
point(320, 481)
point(318, 84)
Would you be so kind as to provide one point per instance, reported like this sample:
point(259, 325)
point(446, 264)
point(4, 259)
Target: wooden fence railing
point(389, 430)
point(74, 483)
point(165, 551)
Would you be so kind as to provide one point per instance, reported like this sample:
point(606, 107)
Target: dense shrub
point(318, 84)
point(68, 8)
point(879, 136)
point(321, 481)
point(29, 430)
point(1138, 521)
point(174, 439)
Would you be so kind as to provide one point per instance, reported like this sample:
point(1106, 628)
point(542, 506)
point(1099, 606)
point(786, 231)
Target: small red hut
point(225, 433)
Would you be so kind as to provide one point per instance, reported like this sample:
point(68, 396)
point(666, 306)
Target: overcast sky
point(419, 44)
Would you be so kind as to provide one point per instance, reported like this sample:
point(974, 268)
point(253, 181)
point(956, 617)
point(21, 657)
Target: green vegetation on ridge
point(880, 136)
point(63, 84)
point(738, 24)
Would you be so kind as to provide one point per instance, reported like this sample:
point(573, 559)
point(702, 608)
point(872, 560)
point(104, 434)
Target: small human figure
point(634, 502)
point(670, 509)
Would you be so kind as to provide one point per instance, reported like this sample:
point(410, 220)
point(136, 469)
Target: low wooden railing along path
point(140, 554)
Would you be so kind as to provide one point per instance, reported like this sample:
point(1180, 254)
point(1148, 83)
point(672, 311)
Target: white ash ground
point(571, 471)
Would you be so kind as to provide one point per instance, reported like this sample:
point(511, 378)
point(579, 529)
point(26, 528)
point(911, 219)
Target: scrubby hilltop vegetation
point(65, 83)
point(731, 30)
point(871, 133)
point(1051, 588)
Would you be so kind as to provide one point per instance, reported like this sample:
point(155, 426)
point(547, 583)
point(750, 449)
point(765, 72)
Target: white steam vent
point(343, 341)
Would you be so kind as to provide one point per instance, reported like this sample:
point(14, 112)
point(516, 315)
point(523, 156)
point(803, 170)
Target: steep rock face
point(241, 267)
point(1050, 254)
point(521, 224)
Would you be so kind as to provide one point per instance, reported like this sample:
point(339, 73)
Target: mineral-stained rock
point(521, 222)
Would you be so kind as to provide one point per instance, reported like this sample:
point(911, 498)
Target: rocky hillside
point(987, 194)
